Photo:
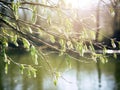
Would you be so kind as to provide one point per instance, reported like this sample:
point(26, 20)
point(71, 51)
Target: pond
point(81, 75)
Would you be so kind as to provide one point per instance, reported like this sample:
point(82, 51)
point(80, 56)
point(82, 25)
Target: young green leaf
point(14, 40)
point(49, 20)
point(52, 38)
point(103, 59)
point(26, 43)
point(30, 30)
point(69, 44)
point(104, 50)
point(68, 60)
point(22, 68)
point(55, 82)
point(6, 68)
point(34, 17)
point(29, 73)
point(33, 50)
point(34, 74)
point(36, 59)
point(113, 43)
point(61, 41)
point(115, 55)
point(5, 58)
point(58, 75)
point(5, 43)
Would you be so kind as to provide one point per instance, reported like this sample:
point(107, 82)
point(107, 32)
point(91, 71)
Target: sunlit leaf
point(22, 68)
point(81, 51)
point(34, 54)
point(15, 7)
point(103, 59)
point(63, 46)
point(5, 58)
point(29, 73)
point(115, 55)
point(94, 57)
point(61, 41)
point(30, 30)
point(14, 40)
point(36, 59)
point(55, 82)
point(34, 17)
point(49, 20)
point(32, 71)
point(26, 43)
point(52, 38)
point(67, 58)
point(6, 68)
point(5, 43)
point(69, 44)
point(33, 50)
point(58, 75)
point(113, 43)
point(104, 50)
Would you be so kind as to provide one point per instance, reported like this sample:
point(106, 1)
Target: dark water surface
point(81, 76)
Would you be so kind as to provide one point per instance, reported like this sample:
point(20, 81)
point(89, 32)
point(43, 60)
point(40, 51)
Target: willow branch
point(27, 36)
point(38, 4)
point(29, 3)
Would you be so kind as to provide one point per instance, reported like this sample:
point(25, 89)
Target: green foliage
point(115, 55)
point(14, 40)
point(52, 38)
point(55, 82)
point(6, 68)
point(63, 46)
point(5, 43)
point(79, 48)
point(15, 7)
point(91, 47)
point(30, 30)
point(31, 71)
point(26, 43)
point(56, 77)
point(69, 45)
point(34, 17)
point(101, 57)
point(49, 19)
point(104, 50)
point(15, 24)
point(113, 43)
point(34, 54)
point(22, 68)
point(68, 58)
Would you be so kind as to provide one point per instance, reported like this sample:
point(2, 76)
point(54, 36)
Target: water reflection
point(117, 74)
point(82, 76)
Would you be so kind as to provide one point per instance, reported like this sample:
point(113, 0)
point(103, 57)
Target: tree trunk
point(116, 24)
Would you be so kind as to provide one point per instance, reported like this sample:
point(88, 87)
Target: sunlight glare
point(79, 3)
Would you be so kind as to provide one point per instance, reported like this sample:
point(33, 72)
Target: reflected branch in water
point(99, 72)
point(1, 74)
point(117, 74)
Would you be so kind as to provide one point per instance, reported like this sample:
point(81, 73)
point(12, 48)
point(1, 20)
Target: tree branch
point(38, 4)
point(30, 3)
